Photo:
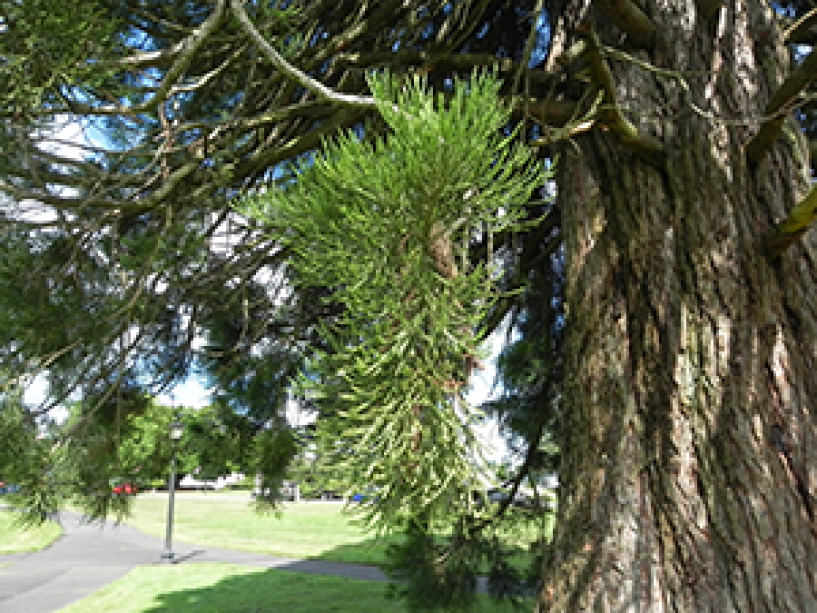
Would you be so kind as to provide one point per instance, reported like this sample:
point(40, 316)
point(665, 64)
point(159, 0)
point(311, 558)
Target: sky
point(192, 393)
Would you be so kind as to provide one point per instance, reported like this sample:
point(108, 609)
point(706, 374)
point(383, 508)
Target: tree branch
point(61, 202)
point(778, 108)
point(631, 20)
point(206, 78)
point(526, 53)
point(145, 59)
point(547, 112)
point(802, 30)
point(301, 77)
point(648, 148)
point(185, 51)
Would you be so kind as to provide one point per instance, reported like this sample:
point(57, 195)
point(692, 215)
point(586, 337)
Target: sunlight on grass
point(16, 539)
point(216, 588)
point(305, 530)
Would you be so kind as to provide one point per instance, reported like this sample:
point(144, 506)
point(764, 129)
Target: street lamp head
point(176, 430)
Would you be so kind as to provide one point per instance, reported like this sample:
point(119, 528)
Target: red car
point(126, 488)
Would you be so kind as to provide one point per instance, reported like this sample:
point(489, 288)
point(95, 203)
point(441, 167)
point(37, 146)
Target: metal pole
point(167, 554)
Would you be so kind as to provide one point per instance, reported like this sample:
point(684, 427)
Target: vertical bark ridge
point(685, 347)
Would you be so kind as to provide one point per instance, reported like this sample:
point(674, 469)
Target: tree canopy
point(664, 300)
point(388, 225)
point(124, 225)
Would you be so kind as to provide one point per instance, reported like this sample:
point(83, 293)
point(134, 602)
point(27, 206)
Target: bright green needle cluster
point(386, 223)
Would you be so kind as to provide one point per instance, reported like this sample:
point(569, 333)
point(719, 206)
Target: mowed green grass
point(221, 588)
point(17, 539)
point(315, 530)
point(304, 530)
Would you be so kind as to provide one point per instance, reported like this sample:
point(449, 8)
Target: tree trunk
point(688, 431)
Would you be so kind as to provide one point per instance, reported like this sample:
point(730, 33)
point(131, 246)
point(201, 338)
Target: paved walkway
point(87, 557)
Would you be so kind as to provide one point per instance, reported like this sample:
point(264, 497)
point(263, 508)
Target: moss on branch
point(789, 231)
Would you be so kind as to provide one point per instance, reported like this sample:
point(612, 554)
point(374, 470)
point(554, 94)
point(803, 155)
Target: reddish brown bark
point(690, 432)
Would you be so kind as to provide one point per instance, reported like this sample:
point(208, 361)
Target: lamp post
point(176, 431)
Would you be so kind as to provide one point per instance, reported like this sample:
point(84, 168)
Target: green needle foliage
point(386, 222)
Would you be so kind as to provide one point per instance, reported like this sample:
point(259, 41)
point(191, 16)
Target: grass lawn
point(225, 587)
point(305, 530)
point(16, 539)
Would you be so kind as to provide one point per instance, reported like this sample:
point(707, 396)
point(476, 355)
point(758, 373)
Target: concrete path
point(87, 557)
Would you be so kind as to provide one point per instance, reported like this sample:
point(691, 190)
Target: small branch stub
point(794, 226)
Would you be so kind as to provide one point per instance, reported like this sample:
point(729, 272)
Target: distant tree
point(530, 370)
point(25, 457)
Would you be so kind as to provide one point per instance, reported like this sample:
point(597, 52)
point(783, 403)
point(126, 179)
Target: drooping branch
point(301, 77)
point(788, 231)
point(262, 117)
point(631, 20)
point(782, 102)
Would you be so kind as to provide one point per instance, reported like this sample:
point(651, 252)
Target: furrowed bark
point(686, 483)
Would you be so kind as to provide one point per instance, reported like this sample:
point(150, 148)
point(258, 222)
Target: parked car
point(369, 493)
point(128, 489)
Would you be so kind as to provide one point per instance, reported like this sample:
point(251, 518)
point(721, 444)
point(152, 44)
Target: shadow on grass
point(263, 590)
point(372, 551)
point(271, 590)
point(303, 586)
